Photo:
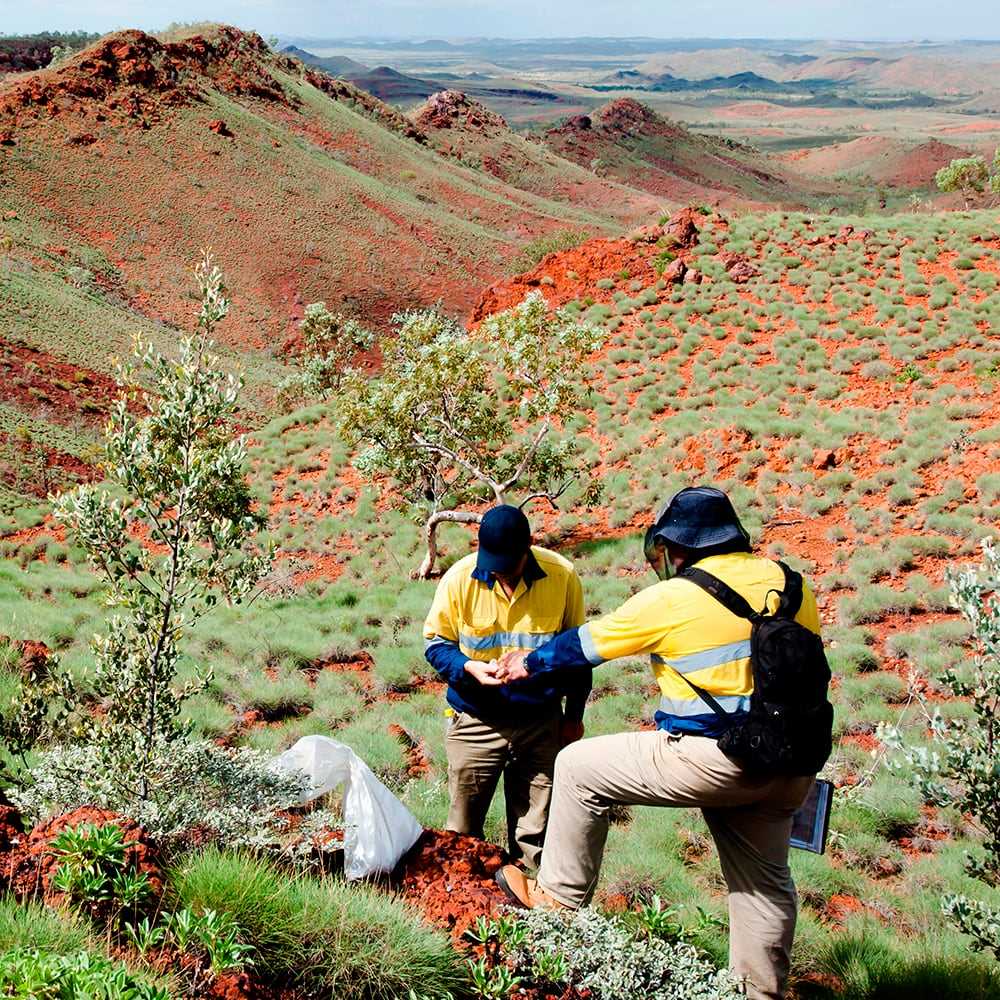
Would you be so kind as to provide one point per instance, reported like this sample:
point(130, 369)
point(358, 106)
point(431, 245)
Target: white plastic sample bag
point(378, 828)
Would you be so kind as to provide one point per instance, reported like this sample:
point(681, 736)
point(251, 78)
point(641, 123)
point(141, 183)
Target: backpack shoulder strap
point(722, 592)
point(708, 699)
point(791, 596)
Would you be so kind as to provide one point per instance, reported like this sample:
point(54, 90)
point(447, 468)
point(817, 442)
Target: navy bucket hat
point(504, 538)
point(699, 517)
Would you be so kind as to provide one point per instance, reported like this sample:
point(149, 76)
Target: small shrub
point(232, 794)
point(962, 768)
point(93, 870)
point(330, 343)
point(600, 954)
point(35, 974)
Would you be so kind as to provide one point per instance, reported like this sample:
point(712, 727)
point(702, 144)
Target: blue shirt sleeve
point(447, 659)
point(559, 653)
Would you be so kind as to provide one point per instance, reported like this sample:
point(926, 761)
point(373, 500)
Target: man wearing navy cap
point(509, 597)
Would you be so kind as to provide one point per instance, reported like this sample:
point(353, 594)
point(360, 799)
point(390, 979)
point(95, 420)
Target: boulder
point(675, 272)
point(683, 229)
point(738, 267)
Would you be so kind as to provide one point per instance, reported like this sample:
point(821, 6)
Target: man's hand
point(488, 674)
point(570, 732)
point(512, 667)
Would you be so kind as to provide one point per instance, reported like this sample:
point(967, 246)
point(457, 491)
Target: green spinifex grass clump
point(32, 926)
point(868, 962)
point(352, 942)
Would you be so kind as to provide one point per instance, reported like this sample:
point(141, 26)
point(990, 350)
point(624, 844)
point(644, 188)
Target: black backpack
point(789, 728)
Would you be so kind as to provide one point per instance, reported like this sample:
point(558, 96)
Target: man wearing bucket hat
point(700, 652)
point(508, 597)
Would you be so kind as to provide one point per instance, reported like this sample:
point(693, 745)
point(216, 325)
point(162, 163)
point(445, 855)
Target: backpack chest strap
point(721, 591)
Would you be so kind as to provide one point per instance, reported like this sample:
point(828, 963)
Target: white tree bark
point(426, 567)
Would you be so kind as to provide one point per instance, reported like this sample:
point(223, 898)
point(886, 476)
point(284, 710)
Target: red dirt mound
point(35, 656)
point(553, 993)
point(450, 877)
point(624, 117)
point(27, 864)
point(572, 273)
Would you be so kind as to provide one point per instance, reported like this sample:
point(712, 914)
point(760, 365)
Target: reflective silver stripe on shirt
point(587, 645)
point(713, 657)
point(437, 641)
point(686, 707)
point(520, 640)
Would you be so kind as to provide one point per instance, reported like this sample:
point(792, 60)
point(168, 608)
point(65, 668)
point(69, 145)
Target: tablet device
point(811, 822)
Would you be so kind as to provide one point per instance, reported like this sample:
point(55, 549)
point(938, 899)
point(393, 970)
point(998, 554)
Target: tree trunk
point(426, 567)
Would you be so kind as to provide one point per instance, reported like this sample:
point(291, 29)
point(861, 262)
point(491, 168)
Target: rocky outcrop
point(132, 74)
point(453, 109)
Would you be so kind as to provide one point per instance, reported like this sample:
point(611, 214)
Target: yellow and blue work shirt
point(687, 634)
point(473, 619)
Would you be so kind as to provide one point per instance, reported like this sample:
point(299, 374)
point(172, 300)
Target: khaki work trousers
point(750, 821)
point(478, 753)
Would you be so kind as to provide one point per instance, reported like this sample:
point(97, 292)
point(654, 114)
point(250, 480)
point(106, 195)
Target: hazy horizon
point(401, 20)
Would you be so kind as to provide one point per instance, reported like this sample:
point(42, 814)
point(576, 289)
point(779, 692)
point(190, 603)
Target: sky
point(833, 19)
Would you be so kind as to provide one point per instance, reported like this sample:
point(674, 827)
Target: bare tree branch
point(430, 536)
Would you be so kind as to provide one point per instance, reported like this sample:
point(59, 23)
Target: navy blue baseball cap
point(504, 538)
point(698, 517)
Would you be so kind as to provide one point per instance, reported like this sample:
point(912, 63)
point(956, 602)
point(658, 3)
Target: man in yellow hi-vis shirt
point(693, 642)
point(509, 597)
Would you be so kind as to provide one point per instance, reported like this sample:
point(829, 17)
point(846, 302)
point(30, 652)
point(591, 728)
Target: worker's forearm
point(447, 659)
point(570, 649)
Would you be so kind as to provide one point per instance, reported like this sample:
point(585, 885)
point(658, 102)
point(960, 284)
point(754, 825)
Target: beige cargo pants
point(750, 821)
point(478, 753)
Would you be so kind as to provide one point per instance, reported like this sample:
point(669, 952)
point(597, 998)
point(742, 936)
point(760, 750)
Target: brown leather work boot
point(524, 891)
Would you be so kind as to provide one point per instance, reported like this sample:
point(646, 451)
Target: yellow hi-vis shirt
point(473, 619)
point(688, 634)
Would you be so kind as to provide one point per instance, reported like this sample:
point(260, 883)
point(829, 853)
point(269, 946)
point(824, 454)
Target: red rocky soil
point(34, 656)
point(27, 863)
point(450, 878)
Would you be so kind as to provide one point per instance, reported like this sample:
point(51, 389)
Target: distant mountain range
point(342, 66)
point(391, 85)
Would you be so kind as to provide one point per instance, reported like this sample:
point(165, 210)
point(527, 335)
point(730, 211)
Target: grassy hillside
point(845, 394)
point(146, 151)
point(119, 166)
point(466, 131)
point(628, 142)
point(879, 160)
